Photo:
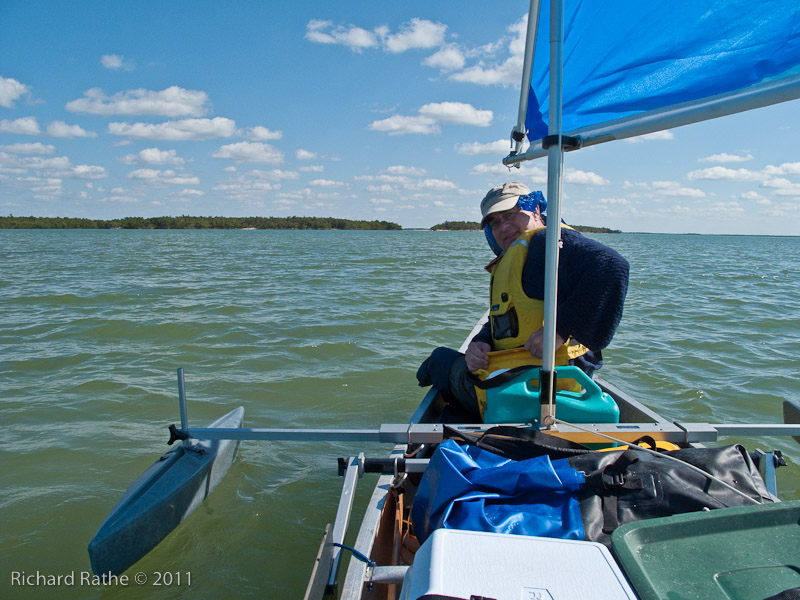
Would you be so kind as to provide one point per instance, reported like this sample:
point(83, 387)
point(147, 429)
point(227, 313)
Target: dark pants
point(446, 369)
point(462, 390)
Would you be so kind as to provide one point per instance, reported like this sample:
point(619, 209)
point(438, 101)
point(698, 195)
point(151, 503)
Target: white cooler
point(460, 564)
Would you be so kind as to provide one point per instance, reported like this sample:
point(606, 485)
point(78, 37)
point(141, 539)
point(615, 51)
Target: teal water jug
point(517, 401)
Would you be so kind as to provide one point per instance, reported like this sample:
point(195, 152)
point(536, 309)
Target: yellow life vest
point(514, 316)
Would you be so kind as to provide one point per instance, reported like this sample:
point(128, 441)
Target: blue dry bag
point(473, 489)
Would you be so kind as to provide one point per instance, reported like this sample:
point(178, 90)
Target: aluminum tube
point(390, 574)
point(527, 65)
point(553, 234)
point(182, 400)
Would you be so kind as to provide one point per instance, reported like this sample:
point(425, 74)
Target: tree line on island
point(475, 226)
point(187, 222)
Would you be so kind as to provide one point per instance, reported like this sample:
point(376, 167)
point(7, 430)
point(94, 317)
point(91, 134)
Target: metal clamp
point(568, 142)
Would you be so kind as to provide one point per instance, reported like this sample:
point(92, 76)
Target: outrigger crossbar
point(425, 433)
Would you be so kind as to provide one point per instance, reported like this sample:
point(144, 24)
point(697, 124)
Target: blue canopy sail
point(625, 60)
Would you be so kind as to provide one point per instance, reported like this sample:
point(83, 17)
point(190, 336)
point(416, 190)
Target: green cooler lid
point(743, 553)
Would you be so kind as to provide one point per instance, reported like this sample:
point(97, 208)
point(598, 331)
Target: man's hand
point(477, 356)
point(535, 343)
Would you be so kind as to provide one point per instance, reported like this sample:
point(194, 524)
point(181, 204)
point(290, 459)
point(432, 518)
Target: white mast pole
point(520, 131)
point(553, 235)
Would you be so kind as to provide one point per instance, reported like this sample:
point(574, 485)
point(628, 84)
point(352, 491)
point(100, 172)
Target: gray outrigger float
point(164, 495)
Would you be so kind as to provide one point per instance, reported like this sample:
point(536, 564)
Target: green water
point(311, 329)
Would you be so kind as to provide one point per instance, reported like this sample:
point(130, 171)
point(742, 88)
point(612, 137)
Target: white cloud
point(754, 196)
point(527, 173)
point(725, 173)
point(493, 168)
point(22, 126)
point(89, 172)
point(185, 129)
point(613, 202)
point(305, 155)
point(783, 187)
point(36, 163)
point(29, 126)
point(246, 189)
point(144, 174)
point(440, 204)
point(116, 62)
point(447, 58)
point(352, 37)
point(326, 183)
point(457, 113)
point(120, 197)
point(380, 189)
point(157, 177)
point(50, 168)
point(153, 156)
point(583, 177)
point(59, 129)
point(173, 101)
point(11, 90)
point(417, 33)
point(274, 174)
point(30, 148)
point(250, 152)
point(403, 170)
point(47, 186)
point(783, 169)
point(433, 184)
point(503, 72)
point(507, 73)
point(726, 158)
point(399, 125)
point(500, 147)
point(262, 134)
point(402, 179)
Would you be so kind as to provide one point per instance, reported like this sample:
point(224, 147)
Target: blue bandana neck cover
point(528, 202)
point(465, 487)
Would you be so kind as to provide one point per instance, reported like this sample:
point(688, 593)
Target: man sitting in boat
point(592, 283)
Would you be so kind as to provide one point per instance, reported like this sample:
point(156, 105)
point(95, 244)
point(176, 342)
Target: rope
point(356, 554)
point(672, 458)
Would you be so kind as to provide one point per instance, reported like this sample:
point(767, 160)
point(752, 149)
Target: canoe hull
point(163, 497)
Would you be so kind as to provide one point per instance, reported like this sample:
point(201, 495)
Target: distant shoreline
point(242, 223)
point(287, 224)
point(187, 222)
point(474, 226)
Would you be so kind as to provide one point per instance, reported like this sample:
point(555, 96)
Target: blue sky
point(362, 110)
